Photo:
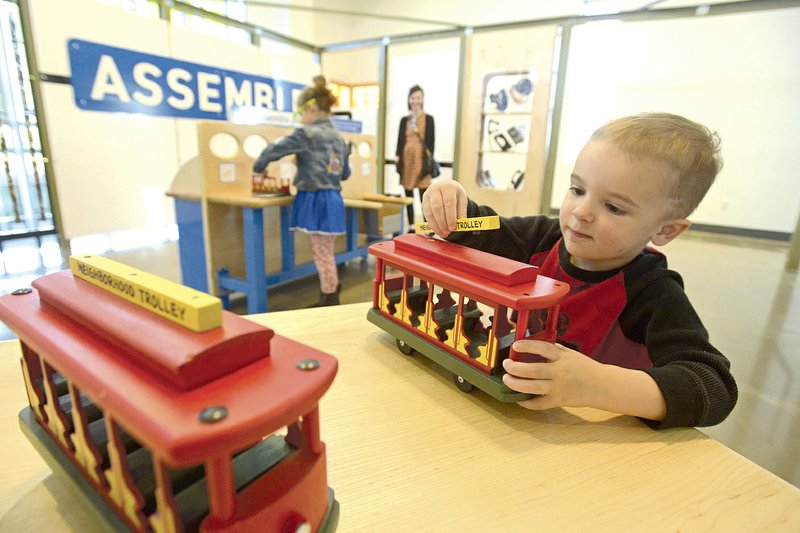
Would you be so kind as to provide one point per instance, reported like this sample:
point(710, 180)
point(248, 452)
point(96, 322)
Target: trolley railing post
point(221, 496)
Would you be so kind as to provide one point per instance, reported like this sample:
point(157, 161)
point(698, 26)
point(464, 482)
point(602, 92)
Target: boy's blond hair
point(690, 149)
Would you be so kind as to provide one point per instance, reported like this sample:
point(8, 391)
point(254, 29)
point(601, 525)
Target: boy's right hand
point(443, 203)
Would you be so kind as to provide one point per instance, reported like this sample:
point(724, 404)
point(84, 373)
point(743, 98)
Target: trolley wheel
point(462, 384)
point(403, 347)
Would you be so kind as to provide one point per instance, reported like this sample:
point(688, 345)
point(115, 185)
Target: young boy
point(629, 341)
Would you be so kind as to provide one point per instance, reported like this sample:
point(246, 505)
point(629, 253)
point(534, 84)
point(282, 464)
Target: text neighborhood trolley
point(163, 428)
point(461, 307)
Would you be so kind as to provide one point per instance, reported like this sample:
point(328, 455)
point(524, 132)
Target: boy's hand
point(443, 203)
point(571, 379)
point(568, 379)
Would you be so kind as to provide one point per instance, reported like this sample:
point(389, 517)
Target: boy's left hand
point(568, 379)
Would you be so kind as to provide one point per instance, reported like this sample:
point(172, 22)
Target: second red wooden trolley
point(461, 307)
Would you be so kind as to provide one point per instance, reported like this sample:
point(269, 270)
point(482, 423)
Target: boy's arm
point(517, 238)
point(571, 379)
point(631, 392)
point(693, 376)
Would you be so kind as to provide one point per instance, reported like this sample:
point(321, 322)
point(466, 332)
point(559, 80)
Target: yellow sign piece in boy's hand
point(466, 224)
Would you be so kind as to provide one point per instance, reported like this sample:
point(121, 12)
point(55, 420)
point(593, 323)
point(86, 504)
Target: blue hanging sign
point(346, 125)
point(106, 78)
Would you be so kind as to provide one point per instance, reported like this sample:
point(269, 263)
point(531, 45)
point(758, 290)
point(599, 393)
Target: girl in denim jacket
point(322, 164)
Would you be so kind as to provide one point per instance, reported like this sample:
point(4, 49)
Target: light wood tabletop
point(255, 201)
point(407, 451)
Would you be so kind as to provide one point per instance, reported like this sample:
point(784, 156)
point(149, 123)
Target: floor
point(748, 301)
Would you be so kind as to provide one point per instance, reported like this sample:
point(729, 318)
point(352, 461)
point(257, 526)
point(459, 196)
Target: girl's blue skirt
point(320, 211)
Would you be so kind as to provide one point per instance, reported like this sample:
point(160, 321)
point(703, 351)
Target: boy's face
point(614, 207)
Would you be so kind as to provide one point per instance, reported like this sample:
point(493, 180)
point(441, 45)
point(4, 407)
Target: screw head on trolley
point(212, 414)
point(308, 364)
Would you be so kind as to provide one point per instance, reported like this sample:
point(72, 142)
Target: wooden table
point(407, 451)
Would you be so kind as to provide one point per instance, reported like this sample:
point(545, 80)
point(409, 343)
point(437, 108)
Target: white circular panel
point(364, 149)
point(223, 145)
point(254, 145)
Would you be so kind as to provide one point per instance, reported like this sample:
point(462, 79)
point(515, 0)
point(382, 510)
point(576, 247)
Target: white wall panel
point(735, 73)
point(433, 65)
point(188, 45)
point(111, 169)
point(54, 23)
point(285, 62)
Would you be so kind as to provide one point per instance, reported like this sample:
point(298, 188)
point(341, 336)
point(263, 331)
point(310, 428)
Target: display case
point(505, 124)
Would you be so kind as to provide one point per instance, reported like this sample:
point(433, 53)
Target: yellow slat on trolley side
point(466, 224)
point(183, 305)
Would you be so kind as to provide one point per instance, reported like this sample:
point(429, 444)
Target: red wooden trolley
point(165, 429)
point(461, 307)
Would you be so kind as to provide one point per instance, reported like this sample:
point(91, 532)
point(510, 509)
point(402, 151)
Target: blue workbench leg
point(191, 244)
point(352, 229)
point(255, 265)
point(287, 239)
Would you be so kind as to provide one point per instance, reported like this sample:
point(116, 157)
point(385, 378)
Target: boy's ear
point(670, 230)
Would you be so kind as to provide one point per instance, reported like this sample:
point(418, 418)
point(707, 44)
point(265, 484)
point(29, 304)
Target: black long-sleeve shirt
point(637, 316)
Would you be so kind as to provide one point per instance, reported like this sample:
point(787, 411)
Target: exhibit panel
point(505, 117)
point(229, 150)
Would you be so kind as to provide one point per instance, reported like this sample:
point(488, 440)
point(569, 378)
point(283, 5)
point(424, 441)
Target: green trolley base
point(491, 384)
point(106, 518)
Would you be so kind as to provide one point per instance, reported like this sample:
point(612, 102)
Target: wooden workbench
point(234, 241)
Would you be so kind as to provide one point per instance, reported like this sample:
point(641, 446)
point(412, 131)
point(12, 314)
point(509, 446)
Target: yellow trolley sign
point(466, 224)
point(183, 305)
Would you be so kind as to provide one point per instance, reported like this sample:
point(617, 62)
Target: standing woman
point(414, 128)
point(322, 164)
